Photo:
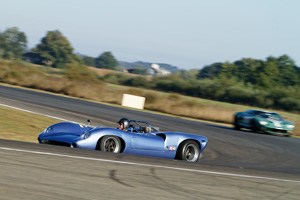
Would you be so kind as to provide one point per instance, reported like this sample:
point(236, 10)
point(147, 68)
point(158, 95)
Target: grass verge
point(22, 126)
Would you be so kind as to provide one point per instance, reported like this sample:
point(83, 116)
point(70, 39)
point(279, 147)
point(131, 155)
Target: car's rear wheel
point(110, 144)
point(189, 151)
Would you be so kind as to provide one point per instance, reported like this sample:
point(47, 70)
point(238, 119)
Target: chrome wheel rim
point(111, 144)
point(191, 153)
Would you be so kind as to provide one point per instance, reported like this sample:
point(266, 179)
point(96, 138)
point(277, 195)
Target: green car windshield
point(268, 115)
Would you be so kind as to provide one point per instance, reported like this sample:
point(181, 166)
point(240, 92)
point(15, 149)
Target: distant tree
point(89, 61)
point(106, 61)
point(12, 43)
point(246, 70)
point(136, 81)
point(2, 44)
point(267, 75)
point(288, 72)
point(187, 75)
point(210, 71)
point(56, 50)
point(227, 71)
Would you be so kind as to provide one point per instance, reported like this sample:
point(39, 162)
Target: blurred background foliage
point(273, 83)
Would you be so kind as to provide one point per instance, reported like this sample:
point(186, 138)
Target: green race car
point(263, 121)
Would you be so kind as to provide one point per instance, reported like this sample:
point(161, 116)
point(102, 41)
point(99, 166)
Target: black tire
point(111, 144)
point(189, 151)
point(236, 126)
point(254, 127)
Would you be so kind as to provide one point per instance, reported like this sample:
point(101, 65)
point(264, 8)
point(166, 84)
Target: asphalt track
point(235, 164)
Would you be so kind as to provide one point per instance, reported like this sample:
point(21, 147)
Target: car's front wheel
point(110, 144)
point(254, 126)
point(189, 151)
point(236, 125)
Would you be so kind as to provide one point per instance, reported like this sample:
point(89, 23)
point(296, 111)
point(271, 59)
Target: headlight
point(264, 123)
point(48, 130)
point(290, 126)
point(86, 135)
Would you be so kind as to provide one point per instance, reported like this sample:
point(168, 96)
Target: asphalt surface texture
point(234, 165)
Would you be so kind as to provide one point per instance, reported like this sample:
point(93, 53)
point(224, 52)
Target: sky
point(188, 34)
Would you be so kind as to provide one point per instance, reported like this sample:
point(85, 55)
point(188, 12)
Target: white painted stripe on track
point(58, 118)
point(150, 165)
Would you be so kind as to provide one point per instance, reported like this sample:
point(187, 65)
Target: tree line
point(54, 50)
point(273, 83)
point(272, 72)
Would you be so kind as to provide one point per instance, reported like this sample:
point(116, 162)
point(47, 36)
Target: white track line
point(150, 165)
point(36, 113)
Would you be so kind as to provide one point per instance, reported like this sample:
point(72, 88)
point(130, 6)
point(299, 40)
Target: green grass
point(22, 126)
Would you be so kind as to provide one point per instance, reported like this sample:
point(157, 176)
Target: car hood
point(275, 122)
point(64, 131)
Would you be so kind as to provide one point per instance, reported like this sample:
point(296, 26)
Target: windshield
point(268, 115)
point(142, 126)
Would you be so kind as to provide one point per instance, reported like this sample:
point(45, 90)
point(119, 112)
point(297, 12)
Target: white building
point(155, 70)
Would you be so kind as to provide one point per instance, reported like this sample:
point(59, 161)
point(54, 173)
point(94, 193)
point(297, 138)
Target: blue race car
point(139, 138)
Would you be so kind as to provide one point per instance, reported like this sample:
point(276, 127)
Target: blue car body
point(138, 140)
